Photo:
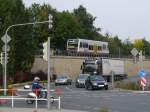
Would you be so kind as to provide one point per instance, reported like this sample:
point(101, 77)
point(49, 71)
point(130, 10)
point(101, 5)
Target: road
point(92, 101)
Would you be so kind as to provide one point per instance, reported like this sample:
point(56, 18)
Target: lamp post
point(6, 47)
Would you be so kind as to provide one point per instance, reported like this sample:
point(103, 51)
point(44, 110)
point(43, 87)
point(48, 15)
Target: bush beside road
point(127, 85)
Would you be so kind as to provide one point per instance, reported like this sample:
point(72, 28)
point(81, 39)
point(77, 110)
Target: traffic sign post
point(134, 52)
point(143, 80)
point(6, 38)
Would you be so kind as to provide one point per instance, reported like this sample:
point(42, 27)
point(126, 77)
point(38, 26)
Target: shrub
point(1, 92)
point(127, 85)
point(20, 76)
point(104, 109)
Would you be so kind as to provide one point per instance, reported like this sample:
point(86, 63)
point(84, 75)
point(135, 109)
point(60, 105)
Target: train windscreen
point(72, 44)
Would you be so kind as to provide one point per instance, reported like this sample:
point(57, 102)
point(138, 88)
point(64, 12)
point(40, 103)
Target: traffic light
point(45, 51)
point(50, 17)
point(1, 58)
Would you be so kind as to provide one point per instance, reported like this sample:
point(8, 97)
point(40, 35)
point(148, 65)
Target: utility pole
point(112, 78)
point(119, 51)
point(49, 72)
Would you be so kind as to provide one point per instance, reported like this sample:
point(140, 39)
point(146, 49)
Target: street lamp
point(6, 37)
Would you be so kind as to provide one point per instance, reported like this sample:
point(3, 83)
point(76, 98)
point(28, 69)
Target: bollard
point(36, 102)
point(59, 102)
point(12, 101)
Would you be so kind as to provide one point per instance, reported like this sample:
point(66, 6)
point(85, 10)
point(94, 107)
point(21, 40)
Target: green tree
point(86, 21)
point(146, 47)
point(65, 26)
point(21, 55)
point(138, 43)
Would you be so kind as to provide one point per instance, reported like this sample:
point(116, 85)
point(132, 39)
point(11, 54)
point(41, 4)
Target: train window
point(72, 44)
point(90, 47)
point(85, 45)
point(99, 48)
point(81, 44)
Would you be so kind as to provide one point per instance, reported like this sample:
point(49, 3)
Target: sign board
point(6, 38)
point(134, 52)
point(8, 48)
point(142, 73)
point(143, 80)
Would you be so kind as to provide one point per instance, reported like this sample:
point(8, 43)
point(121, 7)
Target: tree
point(65, 26)
point(21, 55)
point(86, 21)
point(146, 47)
point(138, 43)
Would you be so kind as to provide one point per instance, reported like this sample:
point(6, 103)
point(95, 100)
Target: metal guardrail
point(13, 97)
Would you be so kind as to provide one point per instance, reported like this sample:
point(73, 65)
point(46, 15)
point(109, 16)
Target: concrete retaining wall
point(72, 65)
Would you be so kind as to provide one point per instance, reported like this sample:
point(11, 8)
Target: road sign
point(143, 81)
point(8, 48)
point(134, 52)
point(142, 73)
point(6, 38)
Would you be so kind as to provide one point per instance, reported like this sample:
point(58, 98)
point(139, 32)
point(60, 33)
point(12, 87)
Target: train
point(84, 46)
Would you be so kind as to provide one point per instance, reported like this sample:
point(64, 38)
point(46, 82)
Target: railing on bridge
point(13, 95)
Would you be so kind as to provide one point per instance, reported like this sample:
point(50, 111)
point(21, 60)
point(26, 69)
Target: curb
point(141, 92)
point(133, 91)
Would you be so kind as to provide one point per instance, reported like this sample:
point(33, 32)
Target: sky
point(125, 18)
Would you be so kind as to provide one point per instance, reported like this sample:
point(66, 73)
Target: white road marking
point(69, 89)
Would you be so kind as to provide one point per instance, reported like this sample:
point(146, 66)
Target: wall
point(60, 65)
point(72, 65)
point(132, 68)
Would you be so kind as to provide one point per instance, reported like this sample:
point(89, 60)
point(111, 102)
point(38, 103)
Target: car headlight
point(105, 83)
point(95, 84)
point(64, 80)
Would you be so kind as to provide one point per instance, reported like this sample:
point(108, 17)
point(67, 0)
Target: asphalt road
point(91, 101)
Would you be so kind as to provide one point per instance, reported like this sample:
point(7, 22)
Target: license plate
point(100, 85)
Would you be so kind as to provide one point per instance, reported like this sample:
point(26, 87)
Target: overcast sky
point(125, 18)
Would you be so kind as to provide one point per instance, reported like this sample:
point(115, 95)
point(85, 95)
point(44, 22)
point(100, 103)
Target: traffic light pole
point(48, 76)
point(5, 62)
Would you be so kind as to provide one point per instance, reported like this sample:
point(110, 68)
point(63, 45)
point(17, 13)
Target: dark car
point(80, 80)
point(95, 82)
point(63, 79)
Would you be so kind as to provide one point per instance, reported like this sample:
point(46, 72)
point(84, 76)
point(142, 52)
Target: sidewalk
point(34, 110)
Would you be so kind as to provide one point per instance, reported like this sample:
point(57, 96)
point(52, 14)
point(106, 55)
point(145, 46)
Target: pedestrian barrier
point(15, 96)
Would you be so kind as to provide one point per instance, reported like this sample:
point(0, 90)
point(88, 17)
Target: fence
point(13, 95)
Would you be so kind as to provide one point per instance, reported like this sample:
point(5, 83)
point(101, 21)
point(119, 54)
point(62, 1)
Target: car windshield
point(62, 77)
point(97, 78)
point(83, 76)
